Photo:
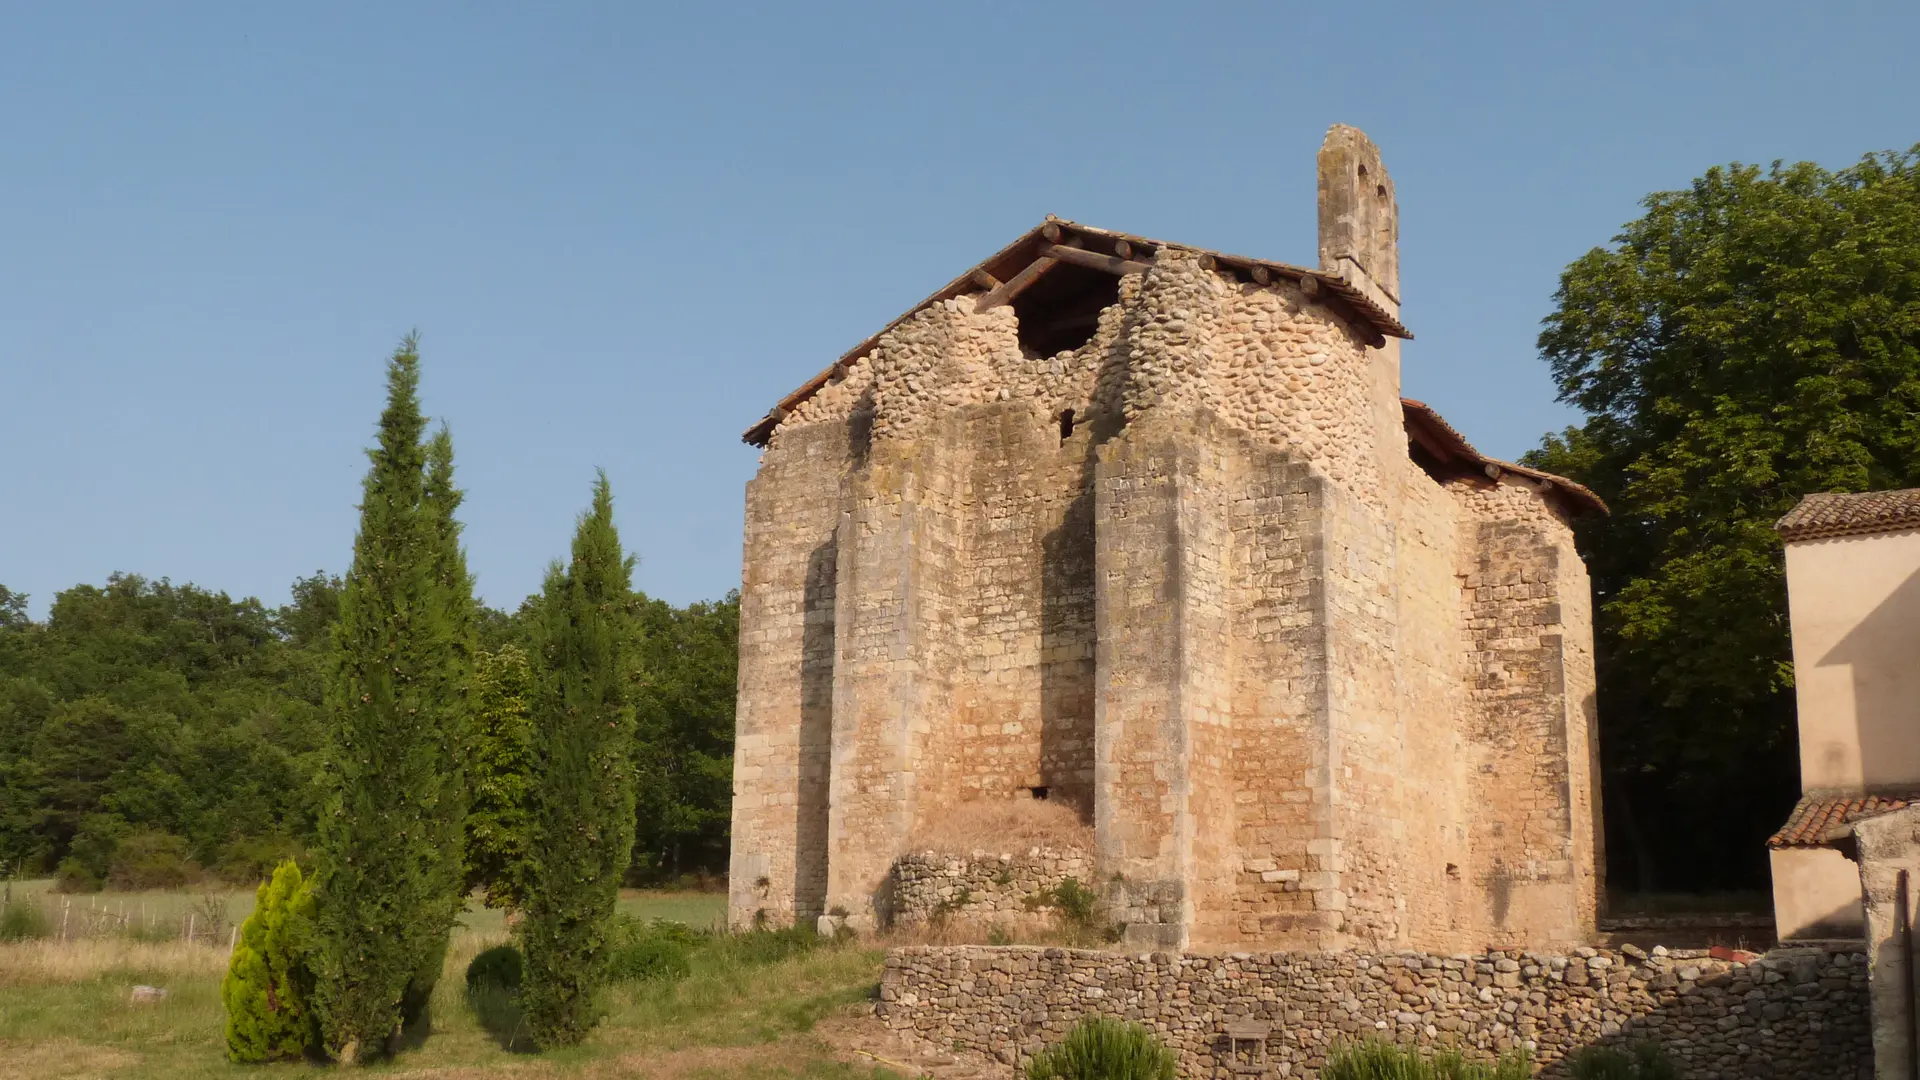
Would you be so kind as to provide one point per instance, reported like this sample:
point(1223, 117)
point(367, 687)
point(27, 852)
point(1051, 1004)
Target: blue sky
point(624, 231)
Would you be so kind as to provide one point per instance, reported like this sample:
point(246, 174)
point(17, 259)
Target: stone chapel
point(1150, 530)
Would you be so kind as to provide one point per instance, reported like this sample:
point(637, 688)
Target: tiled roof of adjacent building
point(1845, 514)
point(1817, 815)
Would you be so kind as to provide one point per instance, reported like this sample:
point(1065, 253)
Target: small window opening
point(1039, 793)
point(1066, 424)
point(1381, 191)
point(1363, 170)
point(1453, 871)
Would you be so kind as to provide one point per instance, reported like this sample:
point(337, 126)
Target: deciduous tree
point(1746, 341)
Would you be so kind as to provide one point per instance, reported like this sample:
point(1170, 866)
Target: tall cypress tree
point(583, 791)
point(452, 704)
point(383, 909)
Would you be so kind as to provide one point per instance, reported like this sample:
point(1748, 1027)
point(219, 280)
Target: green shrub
point(74, 876)
point(1643, 1061)
point(1385, 1061)
point(1079, 909)
point(150, 859)
point(660, 949)
point(268, 984)
point(760, 946)
point(249, 860)
point(22, 920)
point(90, 855)
point(493, 993)
point(1101, 1048)
point(499, 968)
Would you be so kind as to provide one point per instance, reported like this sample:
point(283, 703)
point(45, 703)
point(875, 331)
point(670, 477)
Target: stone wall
point(1794, 1013)
point(982, 890)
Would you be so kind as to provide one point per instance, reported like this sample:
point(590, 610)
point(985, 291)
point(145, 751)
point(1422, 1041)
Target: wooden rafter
point(1093, 260)
point(1016, 284)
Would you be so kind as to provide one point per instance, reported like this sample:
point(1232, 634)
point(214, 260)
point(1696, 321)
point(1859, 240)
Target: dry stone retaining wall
point(979, 889)
point(1794, 1013)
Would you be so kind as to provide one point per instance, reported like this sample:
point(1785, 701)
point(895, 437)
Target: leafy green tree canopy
point(1746, 341)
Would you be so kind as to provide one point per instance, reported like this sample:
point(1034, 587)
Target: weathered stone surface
point(1794, 1013)
point(981, 889)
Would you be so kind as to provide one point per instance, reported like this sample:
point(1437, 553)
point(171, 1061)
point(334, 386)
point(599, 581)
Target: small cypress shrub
point(1644, 1060)
point(1102, 1048)
point(268, 985)
point(583, 798)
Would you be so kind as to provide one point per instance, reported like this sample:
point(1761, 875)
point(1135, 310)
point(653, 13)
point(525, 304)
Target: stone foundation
point(981, 890)
point(1794, 1013)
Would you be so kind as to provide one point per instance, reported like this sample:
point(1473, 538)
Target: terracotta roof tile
point(1836, 513)
point(1816, 815)
point(1442, 439)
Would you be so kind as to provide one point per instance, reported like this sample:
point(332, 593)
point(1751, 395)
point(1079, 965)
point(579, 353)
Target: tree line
point(152, 734)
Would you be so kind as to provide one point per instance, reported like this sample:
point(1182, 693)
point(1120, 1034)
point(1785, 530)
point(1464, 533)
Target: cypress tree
point(583, 790)
point(452, 703)
point(383, 911)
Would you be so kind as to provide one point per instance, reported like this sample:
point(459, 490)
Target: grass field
point(65, 1008)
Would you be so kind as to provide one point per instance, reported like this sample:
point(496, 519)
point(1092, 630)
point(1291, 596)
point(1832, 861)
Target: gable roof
point(1032, 245)
point(1451, 452)
point(1816, 816)
point(1835, 513)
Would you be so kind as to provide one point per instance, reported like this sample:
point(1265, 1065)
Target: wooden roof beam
point(1016, 284)
point(1093, 260)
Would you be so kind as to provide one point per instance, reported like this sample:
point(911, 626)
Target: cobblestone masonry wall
point(1799, 1014)
point(982, 889)
point(1309, 695)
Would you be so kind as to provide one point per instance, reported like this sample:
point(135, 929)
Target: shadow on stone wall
point(1066, 651)
point(816, 734)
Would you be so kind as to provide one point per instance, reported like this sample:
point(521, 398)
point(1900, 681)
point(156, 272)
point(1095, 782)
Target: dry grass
point(1022, 929)
point(65, 1012)
point(25, 963)
point(1002, 827)
point(62, 1058)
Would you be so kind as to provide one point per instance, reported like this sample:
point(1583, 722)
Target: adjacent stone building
point(1150, 530)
